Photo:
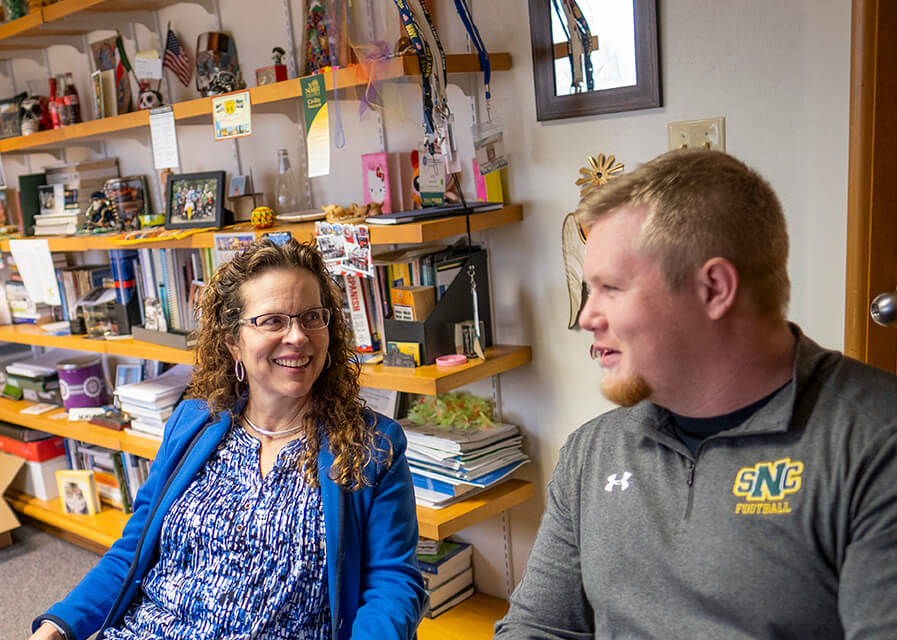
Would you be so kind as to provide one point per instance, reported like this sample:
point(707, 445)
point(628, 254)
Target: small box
point(412, 303)
point(38, 479)
point(270, 74)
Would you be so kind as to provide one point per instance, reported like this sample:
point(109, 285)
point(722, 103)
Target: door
point(872, 180)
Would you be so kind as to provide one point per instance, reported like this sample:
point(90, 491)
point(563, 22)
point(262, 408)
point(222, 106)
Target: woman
point(277, 506)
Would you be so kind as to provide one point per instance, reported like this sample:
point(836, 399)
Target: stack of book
point(448, 465)
point(448, 575)
point(149, 403)
point(59, 211)
point(23, 309)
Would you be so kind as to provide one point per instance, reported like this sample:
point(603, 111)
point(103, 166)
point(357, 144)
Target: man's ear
point(717, 281)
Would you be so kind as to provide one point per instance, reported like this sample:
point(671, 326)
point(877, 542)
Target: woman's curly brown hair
point(334, 403)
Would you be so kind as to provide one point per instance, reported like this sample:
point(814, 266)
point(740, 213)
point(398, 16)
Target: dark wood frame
point(220, 193)
point(643, 95)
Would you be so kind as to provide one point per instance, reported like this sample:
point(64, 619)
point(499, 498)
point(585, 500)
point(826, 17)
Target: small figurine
point(30, 113)
point(100, 214)
point(277, 55)
point(148, 98)
point(262, 217)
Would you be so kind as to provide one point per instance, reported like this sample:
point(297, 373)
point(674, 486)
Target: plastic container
point(82, 383)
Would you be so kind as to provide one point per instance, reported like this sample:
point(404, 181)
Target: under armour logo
point(613, 482)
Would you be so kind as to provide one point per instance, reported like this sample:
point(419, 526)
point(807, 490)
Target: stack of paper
point(151, 402)
point(448, 465)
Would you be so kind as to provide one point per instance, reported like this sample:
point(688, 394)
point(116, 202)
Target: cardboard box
point(38, 479)
point(412, 303)
point(9, 467)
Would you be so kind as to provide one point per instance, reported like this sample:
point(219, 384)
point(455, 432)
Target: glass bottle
point(286, 188)
point(53, 105)
point(72, 103)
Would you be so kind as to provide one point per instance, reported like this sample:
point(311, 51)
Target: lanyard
point(585, 36)
point(424, 59)
point(438, 80)
point(463, 10)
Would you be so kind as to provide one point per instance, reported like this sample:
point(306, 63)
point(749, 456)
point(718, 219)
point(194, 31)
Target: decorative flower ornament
point(601, 171)
point(573, 236)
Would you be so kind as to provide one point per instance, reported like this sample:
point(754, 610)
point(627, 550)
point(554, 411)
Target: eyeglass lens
point(278, 322)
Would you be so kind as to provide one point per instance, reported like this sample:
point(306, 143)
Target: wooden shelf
point(43, 26)
point(105, 529)
point(437, 524)
point(473, 619)
point(32, 334)
point(351, 76)
point(10, 411)
point(412, 232)
point(102, 529)
point(433, 380)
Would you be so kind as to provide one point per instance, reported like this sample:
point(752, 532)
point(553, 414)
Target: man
point(747, 488)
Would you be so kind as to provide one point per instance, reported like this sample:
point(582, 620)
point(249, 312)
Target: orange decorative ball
point(262, 217)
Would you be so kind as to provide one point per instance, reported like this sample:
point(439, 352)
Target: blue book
point(438, 486)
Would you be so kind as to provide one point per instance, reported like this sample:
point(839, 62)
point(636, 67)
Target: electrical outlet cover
point(709, 133)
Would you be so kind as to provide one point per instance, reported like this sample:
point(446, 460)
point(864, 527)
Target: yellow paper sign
point(232, 115)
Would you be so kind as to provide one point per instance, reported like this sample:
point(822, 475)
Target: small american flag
point(176, 59)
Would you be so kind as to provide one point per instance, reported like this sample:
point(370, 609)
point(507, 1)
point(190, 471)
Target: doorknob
point(884, 308)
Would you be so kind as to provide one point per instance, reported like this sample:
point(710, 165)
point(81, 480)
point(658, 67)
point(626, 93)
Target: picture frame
point(195, 200)
point(78, 492)
point(237, 186)
point(126, 373)
point(644, 93)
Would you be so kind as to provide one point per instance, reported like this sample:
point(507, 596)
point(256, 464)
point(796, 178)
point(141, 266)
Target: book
point(438, 485)
point(451, 559)
point(430, 213)
point(449, 592)
point(157, 392)
point(433, 612)
point(455, 440)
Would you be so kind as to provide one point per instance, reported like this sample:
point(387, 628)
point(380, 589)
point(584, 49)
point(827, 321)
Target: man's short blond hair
point(704, 204)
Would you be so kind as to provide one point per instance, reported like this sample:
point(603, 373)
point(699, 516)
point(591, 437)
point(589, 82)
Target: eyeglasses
point(279, 323)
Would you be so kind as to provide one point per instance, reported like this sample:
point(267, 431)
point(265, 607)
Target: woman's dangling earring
point(329, 360)
point(239, 371)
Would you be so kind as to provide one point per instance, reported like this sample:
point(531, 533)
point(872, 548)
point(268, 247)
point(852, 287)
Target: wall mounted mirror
point(594, 56)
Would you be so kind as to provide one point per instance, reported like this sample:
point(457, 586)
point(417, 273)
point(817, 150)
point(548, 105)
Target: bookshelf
point(69, 20)
point(351, 76)
point(411, 232)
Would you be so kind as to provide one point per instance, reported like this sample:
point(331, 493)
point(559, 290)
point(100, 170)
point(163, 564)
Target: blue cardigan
point(376, 590)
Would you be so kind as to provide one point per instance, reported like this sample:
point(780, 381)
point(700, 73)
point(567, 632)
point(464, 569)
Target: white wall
point(777, 71)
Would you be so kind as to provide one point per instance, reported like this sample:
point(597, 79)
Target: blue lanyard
point(467, 19)
point(424, 59)
point(585, 35)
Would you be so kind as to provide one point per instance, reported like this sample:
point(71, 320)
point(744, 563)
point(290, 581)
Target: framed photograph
point(237, 186)
point(78, 492)
point(195, 200)
point(128, 374)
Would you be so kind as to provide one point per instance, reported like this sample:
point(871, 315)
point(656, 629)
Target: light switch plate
point(709, 133)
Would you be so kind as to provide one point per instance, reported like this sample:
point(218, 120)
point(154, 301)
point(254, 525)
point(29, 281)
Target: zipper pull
point(691, 474)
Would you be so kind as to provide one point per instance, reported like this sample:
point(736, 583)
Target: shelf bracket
point(509, 567)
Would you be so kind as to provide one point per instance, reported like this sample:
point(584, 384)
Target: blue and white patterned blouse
point(241, 557)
